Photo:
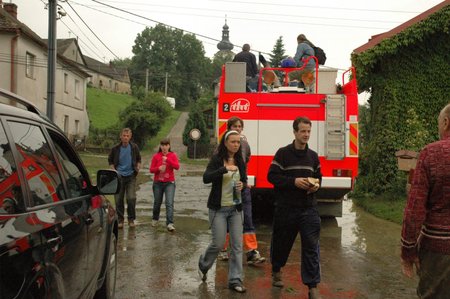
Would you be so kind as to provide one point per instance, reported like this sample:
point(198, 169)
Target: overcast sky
point(336, 26)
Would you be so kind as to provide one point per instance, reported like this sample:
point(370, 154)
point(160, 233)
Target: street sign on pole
point(195, 135)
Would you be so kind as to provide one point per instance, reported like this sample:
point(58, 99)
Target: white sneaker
point(170, 227)
point(223, 256)
point(254, 257)
point(154, 223)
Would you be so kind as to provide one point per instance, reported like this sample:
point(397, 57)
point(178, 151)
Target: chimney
point(10, 8)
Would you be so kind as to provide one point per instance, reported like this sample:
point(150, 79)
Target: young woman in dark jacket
point(226, 171)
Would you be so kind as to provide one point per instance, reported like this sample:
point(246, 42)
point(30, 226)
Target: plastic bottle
point(237, 196)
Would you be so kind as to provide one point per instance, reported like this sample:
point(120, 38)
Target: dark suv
point(58, 233)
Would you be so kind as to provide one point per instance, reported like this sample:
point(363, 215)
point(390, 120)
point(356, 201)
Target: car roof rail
point(15, 99)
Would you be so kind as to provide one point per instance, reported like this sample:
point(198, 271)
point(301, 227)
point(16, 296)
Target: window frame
point(30, 62)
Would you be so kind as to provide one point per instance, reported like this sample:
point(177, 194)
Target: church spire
point(225, 43)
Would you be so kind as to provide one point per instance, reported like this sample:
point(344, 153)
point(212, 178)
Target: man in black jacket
point(296, 176)
point(251, 67)
point(125, 158)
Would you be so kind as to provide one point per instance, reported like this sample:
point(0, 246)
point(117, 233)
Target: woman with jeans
point(226, 171)
point(162, 166)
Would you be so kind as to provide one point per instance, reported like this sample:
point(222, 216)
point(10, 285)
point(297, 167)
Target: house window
point(116, 87)
point(66, 82)
point(30, 62)
point(100, 84)
point(77, 89)
point(77, 127)
point(66, 124)
point(110, 85)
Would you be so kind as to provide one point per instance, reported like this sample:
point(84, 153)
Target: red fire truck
point(268, 113)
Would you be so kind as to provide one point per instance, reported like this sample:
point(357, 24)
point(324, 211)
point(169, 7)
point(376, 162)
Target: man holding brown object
point(296, 176)
point(426, 221)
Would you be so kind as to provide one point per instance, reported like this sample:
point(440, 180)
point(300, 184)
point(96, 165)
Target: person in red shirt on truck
point(426, 221)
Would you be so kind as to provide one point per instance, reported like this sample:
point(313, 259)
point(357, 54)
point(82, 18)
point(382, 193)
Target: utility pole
point(51, 64)
point(146, 81)
point(165, 87)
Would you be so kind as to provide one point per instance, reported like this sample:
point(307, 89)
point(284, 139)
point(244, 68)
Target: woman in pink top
point(162, 165)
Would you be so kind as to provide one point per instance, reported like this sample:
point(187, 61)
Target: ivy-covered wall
point(408, 77)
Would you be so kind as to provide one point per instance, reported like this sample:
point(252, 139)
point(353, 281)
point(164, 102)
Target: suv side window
point(75, 182)
point(10, 200)
point(37, 163)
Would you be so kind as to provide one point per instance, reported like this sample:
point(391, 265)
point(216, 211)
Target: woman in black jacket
point(226, 171)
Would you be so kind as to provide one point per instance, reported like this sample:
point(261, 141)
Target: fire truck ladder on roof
point(335, 127)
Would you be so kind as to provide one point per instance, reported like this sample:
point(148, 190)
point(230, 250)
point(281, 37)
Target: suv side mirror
point(108, 181)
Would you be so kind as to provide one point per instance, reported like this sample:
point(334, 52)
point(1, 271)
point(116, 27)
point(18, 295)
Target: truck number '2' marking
point(226, 107)
point(240, 105)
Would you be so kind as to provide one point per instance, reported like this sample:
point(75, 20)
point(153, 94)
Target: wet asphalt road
point(359, 255)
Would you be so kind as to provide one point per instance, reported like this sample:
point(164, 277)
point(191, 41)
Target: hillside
point(102, 105)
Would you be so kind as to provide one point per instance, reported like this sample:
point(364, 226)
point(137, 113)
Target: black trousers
point(287, 223)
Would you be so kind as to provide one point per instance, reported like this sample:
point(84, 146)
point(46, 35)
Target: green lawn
point(104, 107)
point(386, 207)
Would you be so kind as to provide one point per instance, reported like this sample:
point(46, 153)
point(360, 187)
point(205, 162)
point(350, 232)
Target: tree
point(195, 121)
point(169, 53)
point(219, 59)
point(145, 117)
point(278, 53)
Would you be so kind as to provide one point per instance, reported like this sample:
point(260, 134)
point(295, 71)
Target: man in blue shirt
point(125, 158)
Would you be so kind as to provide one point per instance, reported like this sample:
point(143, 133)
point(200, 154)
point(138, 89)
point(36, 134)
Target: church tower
point(225, 44)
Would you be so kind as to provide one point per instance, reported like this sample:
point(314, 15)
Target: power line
point(251, 13)
point(75, 23)
point(217, 40)
point(319, 7)
point(92, 31)
point(79, 40)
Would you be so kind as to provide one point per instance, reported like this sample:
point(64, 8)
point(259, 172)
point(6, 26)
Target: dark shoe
point(253, 257)
point(239, 288)
point(202, 274)
point(276, 280)
point(314, 294)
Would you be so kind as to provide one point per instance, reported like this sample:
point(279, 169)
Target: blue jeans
point(128, 189)
point(247, 209)
point(159, 189)
point(220, 220)
point(287, 223)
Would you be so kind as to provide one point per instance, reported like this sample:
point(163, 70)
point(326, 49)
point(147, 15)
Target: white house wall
point(5, 66)
point(34, 88)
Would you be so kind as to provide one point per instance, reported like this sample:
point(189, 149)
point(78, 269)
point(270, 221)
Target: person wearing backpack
point(305, 76)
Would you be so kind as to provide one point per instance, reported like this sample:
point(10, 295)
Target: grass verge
point(389, 207)
point(104, 107)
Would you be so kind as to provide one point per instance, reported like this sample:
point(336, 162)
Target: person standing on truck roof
point(250, 242)
point(426, 221)
point(306, 76)
point(296, 176)
point(251, 67)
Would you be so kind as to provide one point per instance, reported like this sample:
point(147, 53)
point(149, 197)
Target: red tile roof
point(376, 39)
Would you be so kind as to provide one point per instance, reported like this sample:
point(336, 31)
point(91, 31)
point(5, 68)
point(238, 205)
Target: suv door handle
point(88, 220)
point(54, 241)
